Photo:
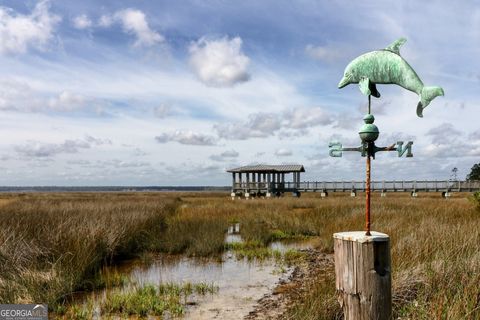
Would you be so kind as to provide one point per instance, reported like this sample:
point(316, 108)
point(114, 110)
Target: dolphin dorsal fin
point(395, 46)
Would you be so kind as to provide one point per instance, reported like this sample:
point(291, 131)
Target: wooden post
point(363, 275)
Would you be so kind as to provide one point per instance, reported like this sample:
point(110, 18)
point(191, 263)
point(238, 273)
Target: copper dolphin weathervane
point(388, 67)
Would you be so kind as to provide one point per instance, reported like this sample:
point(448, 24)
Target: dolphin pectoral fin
point(364, 86)
point(395, 46)
point(420, 109)
point(373, 90)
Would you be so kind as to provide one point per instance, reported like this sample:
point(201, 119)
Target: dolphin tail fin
point(426, 96)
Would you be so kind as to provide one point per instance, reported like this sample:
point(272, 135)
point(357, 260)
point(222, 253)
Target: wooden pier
point(268, 180)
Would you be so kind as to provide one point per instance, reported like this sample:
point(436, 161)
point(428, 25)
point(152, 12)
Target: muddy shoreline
point(288, 292)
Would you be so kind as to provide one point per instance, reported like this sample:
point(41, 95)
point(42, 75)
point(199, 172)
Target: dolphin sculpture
point(388, 67)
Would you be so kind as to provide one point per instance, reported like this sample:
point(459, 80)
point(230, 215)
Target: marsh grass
point(168, 299)
point(475, 198)
point(434, 245)
point(51, 243)
point(255, 250)
point(54, 244)
point(154, 300)
point(252, 250)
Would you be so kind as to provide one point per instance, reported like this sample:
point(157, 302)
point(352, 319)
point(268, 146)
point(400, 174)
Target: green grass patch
point(255, 250)
point(154, 300)
point(475, 199)
point(105, 279)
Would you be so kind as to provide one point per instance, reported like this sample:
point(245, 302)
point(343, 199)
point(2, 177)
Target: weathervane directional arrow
point(368, 134)
point(336, 149)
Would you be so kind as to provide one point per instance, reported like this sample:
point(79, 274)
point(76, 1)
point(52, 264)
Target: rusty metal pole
point(367, 192)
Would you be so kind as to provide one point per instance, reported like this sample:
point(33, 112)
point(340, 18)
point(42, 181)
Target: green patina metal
point(388, 67)
point(381, 67)
point(368, 132)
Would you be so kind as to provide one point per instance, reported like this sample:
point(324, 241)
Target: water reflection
point(241, 283)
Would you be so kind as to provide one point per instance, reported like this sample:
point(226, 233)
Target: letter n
point(408, 148)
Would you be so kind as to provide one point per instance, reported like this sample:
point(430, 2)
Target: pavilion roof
point(283, 168)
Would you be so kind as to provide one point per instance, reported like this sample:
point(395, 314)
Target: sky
point(176, 92)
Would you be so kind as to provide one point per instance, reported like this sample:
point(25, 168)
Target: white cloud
point(34, 149)
point(444, 134)
point(187, 137)
point(226, 155)
point(283, 152)
point(82, 22)
point(67, 101)
point(258, 125)
point(290, 134)
point(105, 21)
point(475, 135)
point(18, 32)
point(262, 125)
point(328, 53)
point(97, 141)
point(20, 96)
point(448, 142)
point(162, 111)
point(135, 22)
point(113, 163)
point(219, 63)
point(300, 118)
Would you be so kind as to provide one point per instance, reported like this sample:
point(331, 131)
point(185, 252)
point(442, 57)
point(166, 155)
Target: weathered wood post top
point(360, 236)
point(363, 275)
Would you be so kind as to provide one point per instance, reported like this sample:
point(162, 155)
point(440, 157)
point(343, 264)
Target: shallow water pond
point(240, 282)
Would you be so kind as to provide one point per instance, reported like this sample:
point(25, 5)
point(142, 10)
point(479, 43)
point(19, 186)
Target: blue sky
point(175, 92)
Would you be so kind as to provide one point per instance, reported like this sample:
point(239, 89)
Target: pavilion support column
point(240, 179)
point(247, 185)
point(269, 187)
point(233, 181)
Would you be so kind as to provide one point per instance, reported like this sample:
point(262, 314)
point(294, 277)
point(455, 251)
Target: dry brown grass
point(435, 246)
point(53, 244)
point(435, 242)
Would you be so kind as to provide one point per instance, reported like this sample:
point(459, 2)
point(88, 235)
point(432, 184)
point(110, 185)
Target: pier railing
point(359, 186)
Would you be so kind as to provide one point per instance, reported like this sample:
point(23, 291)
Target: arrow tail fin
point(426, 96)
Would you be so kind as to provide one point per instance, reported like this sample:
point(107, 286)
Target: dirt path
point(274, 305)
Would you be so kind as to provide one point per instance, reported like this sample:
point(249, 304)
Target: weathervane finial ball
point(369, 132)
point(369, 118)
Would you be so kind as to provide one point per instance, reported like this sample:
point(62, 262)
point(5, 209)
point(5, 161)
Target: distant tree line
point(474, 173)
